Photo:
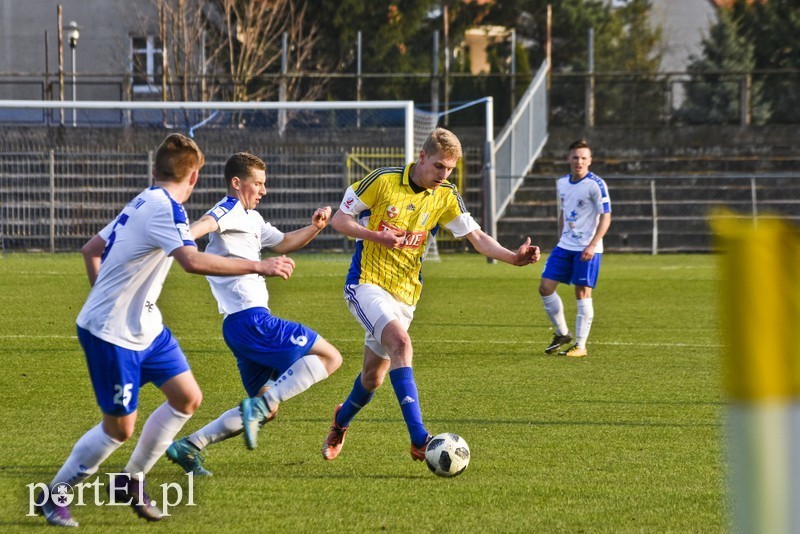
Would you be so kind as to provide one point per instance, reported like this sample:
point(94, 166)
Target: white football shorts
point(374, 308)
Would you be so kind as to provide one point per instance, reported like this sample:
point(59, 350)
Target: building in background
point(115, 38)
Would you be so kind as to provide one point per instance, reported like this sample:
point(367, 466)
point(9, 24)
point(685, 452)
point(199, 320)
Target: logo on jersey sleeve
point(348, 202)
point(183, 228)
point(412, 240)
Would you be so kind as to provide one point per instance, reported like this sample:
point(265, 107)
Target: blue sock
point(405, 388)
point(358, 398)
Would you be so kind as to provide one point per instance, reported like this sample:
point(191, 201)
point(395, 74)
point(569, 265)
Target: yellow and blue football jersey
point(388, 199)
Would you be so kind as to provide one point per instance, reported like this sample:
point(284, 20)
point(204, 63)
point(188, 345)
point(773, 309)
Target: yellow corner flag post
point(759, 300)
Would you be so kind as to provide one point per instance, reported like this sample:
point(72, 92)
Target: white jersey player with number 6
point(277, 359)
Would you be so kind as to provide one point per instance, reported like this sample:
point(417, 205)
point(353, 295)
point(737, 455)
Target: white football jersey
point(242, 234)
point(121, 307)
point(582, 202)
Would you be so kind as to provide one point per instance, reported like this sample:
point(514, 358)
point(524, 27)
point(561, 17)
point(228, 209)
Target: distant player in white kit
point(586, 217)
point(121, 331)
point(264, 345)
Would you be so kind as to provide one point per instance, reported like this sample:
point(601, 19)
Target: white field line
point(417, 341)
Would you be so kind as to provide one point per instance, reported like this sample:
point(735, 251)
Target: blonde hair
point(444, 142)
point(176, 158)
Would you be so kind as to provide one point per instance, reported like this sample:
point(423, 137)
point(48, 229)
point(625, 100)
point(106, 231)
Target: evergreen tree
point(634, 47)
point(773, 29)
point(714, 94)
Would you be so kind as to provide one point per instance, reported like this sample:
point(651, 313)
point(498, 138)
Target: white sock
point(583, 321)
point(89, 452)
point(157, 435)
point(223, 427)
point(554, 309)
point(303, 374)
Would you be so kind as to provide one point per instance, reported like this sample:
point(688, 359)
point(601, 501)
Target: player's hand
point(391, 238)
point(588, 253)
point(527, 253)
point(321, 217)
point(279, 266)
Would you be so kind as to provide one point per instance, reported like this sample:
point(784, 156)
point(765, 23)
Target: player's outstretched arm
point(205, 225)
point(347, 225)
point(195, 262)
point(299, 238)
point(92, 254)
point(489, 247)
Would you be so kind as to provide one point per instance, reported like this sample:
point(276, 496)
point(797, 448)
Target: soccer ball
point(447, 455)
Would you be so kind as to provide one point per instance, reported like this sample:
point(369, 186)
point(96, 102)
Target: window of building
point(146, 64)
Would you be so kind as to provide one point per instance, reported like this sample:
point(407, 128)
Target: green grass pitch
point(626, 440)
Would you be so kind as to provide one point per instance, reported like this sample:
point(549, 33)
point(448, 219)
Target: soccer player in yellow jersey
point(391, 213)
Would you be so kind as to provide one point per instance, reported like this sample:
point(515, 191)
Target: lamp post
point(73, 33)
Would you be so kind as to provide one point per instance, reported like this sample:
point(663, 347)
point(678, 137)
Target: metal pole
point(590, 82)
point(655, 216)
point(150, 163)
point(490, 177)
point(548, 46)
point(164, 56)
point(446, 62)
point(203, 68)
point(53, 201)
point(74, 86)
point(754, 199)
point(513, 70)
point(435, 75)
point(60, 64)
point(358, 77)
point(745, 101)
point(282, 88)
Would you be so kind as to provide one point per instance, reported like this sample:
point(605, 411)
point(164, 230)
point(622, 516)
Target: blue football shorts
point(264, 344)
point(118, 373)
point(566, 266)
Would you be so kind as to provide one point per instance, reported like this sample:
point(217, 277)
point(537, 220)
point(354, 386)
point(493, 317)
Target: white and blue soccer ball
point(447, 455)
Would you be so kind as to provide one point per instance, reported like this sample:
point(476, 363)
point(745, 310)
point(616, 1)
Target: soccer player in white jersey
point(262, 343)
point(586, 217)
point(392, 213)
point(121, 331)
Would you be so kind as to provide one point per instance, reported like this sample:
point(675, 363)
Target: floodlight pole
point(73, 33)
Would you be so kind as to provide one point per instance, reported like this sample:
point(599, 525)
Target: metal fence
point(56, 200)
point(659, 213)
point(577, 98)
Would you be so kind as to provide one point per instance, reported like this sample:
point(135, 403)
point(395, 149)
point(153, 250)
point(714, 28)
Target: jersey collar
point(588, 174)
point(406, 180)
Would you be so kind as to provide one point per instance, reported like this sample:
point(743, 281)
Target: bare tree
point(254, 33)
point(232, 49)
